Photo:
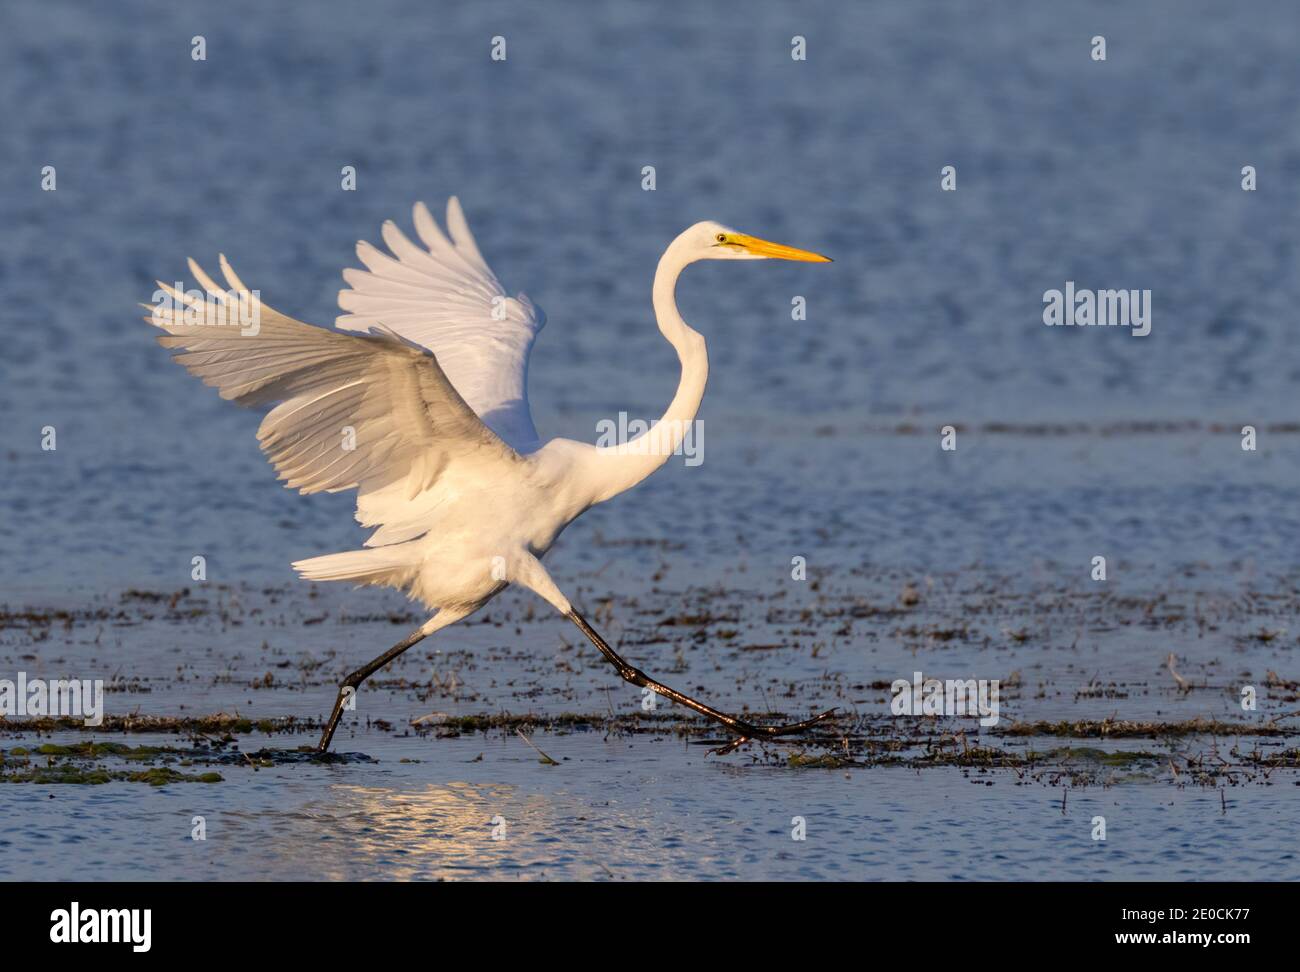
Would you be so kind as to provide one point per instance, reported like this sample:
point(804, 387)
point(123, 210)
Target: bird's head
point(713, 241)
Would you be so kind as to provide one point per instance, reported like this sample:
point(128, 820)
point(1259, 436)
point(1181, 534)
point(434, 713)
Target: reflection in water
point(443, 830)
point(668, 817)
point(446, 831)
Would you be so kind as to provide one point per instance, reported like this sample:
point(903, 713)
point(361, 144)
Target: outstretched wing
point(372, 413)
point(444, 297)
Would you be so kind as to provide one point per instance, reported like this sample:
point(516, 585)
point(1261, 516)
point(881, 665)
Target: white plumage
point(446, 298)
point(420, 404)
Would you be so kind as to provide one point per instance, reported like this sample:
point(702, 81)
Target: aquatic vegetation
point(68, 773)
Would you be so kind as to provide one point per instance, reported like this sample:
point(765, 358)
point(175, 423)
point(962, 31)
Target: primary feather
point(444, 297)
point(375, 412)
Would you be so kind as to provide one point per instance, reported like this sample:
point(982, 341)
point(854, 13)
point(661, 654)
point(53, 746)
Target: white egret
point(423, 410)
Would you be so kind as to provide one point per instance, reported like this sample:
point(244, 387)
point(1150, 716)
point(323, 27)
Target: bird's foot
point(747, 733)
point(730, 747)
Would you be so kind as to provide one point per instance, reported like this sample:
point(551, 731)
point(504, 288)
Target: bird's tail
point(387, 566)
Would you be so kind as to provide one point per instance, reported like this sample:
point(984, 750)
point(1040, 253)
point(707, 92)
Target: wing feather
point(408, 422)
point(444, 297)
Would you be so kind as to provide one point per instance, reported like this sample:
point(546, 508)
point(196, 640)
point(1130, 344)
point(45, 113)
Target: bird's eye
point(722, 237)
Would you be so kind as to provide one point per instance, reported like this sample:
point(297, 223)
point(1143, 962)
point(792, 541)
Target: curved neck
point(624, 465)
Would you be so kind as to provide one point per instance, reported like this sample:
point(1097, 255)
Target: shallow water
point(637, 811)
point(821, 436)
point(420, 800)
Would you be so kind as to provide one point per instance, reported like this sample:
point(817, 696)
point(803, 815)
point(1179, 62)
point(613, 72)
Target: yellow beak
point(776, 251)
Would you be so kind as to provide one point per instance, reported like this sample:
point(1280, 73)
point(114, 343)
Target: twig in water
point(545, 760)
point(1283, 715)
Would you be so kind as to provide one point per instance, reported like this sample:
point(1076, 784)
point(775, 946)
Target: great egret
point(425, 414)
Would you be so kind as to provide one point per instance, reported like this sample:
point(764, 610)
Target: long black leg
point(744, 731)
point(359, 676)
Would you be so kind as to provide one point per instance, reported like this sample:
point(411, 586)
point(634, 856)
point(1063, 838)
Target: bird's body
point(423, 410)
point(469, 548)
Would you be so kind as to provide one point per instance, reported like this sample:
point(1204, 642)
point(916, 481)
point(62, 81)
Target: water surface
point(821, 436)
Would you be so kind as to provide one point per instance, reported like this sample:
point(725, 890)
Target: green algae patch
point(96, 763)
point(1125, 728)
point(188, 725)
point(821, 761)
point(1088, 754)
point(162, 775)
point(61, 774)
point(102, 750)
point(69, 774)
